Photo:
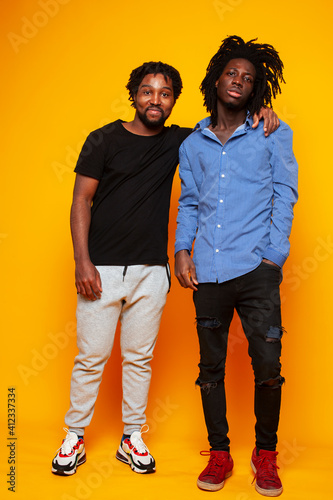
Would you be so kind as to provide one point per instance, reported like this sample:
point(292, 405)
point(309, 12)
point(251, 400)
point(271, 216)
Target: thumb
point(194, 276)
point(255, 120)
point(99, 281)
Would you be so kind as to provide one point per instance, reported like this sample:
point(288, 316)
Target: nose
point(155, 99)
point(237, 81)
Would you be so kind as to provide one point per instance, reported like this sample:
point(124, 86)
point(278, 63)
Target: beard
point(231, 105)
point(153, 124)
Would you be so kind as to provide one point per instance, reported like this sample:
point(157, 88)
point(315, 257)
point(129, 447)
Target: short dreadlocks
point(268, 66)
point(153, 68)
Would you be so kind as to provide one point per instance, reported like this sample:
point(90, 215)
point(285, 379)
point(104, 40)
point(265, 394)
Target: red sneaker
point(219, 467)
point(264, 466)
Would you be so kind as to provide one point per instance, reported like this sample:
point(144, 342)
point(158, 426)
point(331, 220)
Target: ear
point(216, 83)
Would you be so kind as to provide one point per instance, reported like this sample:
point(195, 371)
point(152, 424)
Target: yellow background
point(65, 67)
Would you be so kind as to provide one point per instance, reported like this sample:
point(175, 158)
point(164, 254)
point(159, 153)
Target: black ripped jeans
point(256, 298)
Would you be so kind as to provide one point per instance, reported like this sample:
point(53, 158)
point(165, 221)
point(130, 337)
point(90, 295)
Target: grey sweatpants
point(137, 298)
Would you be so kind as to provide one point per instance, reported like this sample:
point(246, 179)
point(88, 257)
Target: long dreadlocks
point(268, 66)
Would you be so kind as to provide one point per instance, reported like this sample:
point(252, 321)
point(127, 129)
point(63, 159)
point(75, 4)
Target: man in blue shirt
point(238, 192)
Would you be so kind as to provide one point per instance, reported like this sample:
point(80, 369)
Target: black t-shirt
point(130, 211)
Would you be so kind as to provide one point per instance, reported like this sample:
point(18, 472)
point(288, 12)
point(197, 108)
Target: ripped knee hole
point(272, 383)
point(208, 322)
point(274, 334)
point(206, 386)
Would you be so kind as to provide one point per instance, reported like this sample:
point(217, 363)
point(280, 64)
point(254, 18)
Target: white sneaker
point(134, 452)
point(70, 455)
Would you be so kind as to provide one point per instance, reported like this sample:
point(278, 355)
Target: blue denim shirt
point(236, 200)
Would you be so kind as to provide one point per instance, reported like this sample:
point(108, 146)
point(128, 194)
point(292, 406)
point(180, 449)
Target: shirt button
point(224, 153)
point(222, 175)
point(219, 225)
point(217, 250)
point(221, 201)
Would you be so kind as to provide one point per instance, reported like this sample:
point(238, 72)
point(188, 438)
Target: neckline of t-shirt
point(138, 135)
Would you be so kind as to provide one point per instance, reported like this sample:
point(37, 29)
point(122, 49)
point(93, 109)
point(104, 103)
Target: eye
point(165, 94)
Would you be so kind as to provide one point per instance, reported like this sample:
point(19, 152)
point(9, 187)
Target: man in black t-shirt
point(119, 224)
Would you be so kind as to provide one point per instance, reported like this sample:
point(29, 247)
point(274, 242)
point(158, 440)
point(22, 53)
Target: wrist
point(270, 262)
point(81, 259)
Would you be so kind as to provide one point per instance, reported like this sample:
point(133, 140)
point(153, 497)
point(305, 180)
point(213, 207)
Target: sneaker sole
point(142, 471)
point(266, 493)
point(210, 486)
point(63, 473)
point(126, 460)
point(123, 458)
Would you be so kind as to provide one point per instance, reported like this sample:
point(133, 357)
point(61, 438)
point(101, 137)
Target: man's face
point(154, 100)
point(235, 85)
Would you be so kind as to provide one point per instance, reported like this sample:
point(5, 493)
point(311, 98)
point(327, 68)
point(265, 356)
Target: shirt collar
point(202, 124)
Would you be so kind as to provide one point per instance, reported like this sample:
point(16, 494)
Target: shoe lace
point(268, 468)
point(215, 462)
point(68, 443)
point(137, 440)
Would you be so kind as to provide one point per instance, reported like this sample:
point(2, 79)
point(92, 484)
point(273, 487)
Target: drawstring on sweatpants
point(167, 267)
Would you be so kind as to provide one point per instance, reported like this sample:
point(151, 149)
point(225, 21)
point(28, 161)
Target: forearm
point(80, 219)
